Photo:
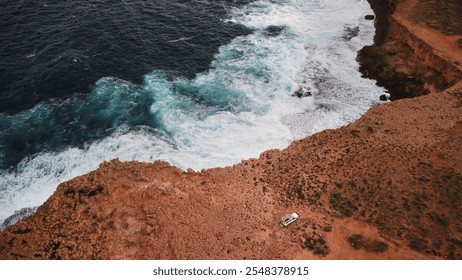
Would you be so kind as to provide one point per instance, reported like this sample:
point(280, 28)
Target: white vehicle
point(289, 218)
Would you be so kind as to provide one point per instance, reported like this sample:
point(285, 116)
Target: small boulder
point(302, 92)
point(350, 32)
point(369, 17)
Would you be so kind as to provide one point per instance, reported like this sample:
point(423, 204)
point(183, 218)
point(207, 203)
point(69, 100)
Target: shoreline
point(383, 187)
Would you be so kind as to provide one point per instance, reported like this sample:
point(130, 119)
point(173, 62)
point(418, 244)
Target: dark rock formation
point(302, 92)
point(402, 62)
point(369, 17)
point(350, 32)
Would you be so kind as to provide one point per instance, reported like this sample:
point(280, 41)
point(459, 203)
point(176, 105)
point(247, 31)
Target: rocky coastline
point(387, 186)
point(410, 56)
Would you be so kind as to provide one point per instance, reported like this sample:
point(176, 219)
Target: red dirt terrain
point(385, 187)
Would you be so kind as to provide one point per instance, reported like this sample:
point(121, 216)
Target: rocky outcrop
point(410, 59)
point(384, 187)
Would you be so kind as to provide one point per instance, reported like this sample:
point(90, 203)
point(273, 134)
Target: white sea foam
point(242, 106)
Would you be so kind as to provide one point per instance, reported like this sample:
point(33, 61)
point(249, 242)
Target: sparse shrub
point(417, 243)
point(316, 244)
point(299, 192)
point(343, 205)
point(440, 219)
point(375, 246)
point(327, 228)
point(358, 241)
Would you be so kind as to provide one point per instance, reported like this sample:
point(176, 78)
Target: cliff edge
point(418, 47)
point(384, 187)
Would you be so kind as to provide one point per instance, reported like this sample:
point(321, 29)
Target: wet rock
point(369, 17)
point(274, 30)
point(350, 32)
point(18, 215)
point(302, 92)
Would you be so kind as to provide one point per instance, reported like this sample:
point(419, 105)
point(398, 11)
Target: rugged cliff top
point(384, 187)
point(438, 23)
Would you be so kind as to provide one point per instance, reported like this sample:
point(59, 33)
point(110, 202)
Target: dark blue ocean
point(197, 83)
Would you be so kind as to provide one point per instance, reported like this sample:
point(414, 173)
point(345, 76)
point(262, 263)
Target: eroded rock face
point(411, 58)
point(384, 187)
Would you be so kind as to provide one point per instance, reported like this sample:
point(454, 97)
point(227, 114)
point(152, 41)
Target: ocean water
point(197, 83)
